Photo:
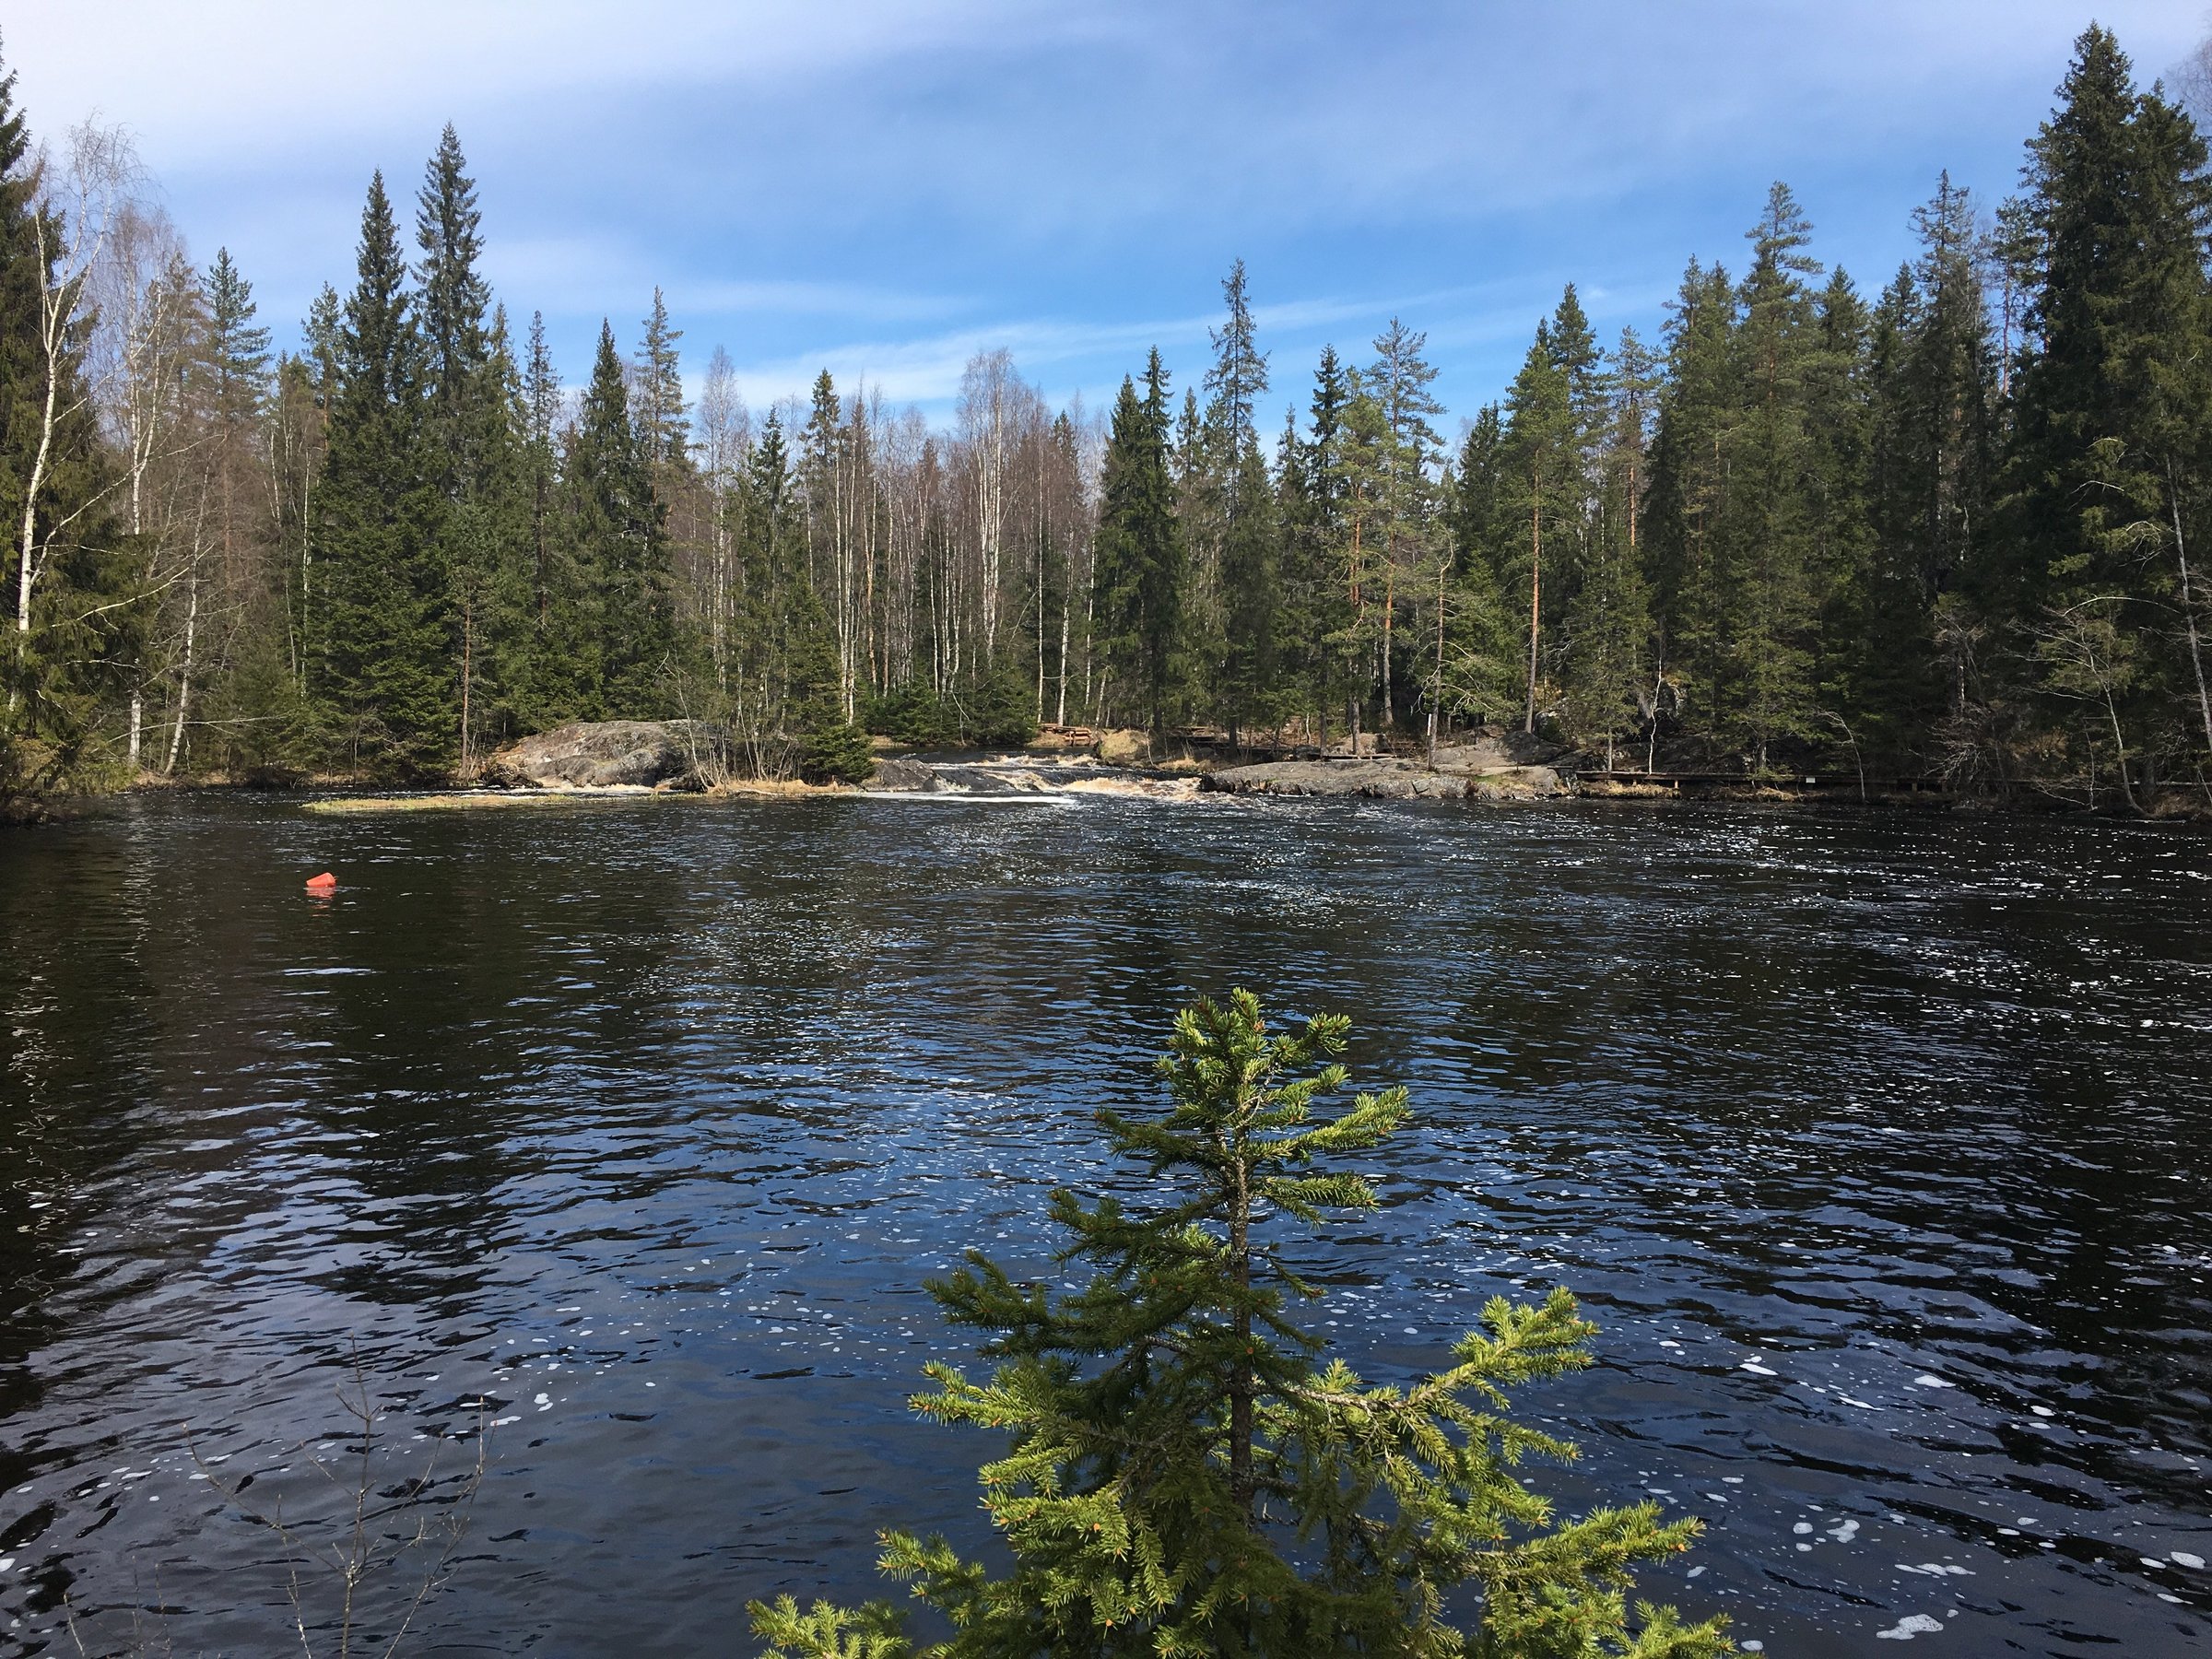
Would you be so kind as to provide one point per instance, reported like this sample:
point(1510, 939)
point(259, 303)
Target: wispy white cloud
point(897, 174)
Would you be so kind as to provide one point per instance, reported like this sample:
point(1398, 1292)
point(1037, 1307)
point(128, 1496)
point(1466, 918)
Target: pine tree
point(1542, 487)
point(386, 668)
point(1411, 548)
point(1187, 1475)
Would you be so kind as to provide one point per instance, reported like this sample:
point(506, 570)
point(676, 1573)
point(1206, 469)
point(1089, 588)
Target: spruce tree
point(617, 523)
point(471, 441)
point(1187, 1473)
point(385, 664)
point(1239, 374)
point(1140, 562)
point(1691, 501)
point(1310, 480)
point(1607, 672)
point(2106, 466)
point(1483, 665)
point(664, 432)
point(1542, 489)
point(1766, 688)
point(1251, 599)
point(255, 716)
point(1931, 386)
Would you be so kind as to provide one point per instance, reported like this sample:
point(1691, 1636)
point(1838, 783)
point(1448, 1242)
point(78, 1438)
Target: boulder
point(1518, 784)
point(904, 777)
point(1389, 778)
point(1386, 778)
point(1124, 747)
point(605, 754)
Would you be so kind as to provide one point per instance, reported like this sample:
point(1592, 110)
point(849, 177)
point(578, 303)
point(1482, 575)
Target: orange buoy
point(324, 883)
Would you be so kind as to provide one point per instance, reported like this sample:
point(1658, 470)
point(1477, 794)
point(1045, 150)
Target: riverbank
point(626, 758)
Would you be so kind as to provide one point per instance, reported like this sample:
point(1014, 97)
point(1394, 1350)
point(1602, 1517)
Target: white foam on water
point(2182, 1557)
point(1754, 1367)
point(1909, 1626)
point(1929, 1380)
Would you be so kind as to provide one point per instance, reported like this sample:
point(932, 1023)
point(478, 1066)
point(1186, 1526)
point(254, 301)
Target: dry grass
point(458, 800)
point(780, 788)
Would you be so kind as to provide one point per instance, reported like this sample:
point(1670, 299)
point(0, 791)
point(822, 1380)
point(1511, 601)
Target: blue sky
point(884, 189)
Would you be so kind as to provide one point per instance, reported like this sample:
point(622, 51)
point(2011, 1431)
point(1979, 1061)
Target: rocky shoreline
point(606, 759)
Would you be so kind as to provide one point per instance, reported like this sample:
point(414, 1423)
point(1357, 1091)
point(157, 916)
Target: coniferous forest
point(1942, 524)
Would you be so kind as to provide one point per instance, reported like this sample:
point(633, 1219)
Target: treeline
point(1944, 530)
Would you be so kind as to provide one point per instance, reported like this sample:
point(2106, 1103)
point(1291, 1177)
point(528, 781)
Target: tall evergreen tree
point(1931, 377)
point(470, 439)
point(664, 430)
point(1543, 489)
point(1607, 671)
point(1311, 482)
point(1238, 375)
point(387, 672)
point(1765, 687)
point(1251, 598)
point(254, 715)
point(1411, 548)
point(1251, 570)
point(1140, 563)
point(617, 521)
point(1690, 504)
point(2105, 469)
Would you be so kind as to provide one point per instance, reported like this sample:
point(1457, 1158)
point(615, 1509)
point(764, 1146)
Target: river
point(1877, 1145)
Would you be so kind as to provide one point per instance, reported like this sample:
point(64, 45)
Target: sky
point(884, 190)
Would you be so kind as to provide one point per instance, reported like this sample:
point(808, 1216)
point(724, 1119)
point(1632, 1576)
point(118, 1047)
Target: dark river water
point(1876, 1144)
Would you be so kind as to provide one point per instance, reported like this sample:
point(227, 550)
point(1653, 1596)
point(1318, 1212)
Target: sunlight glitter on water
point(645, 1128)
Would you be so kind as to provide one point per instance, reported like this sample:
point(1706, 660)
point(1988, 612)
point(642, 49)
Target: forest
point(1942, 529)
